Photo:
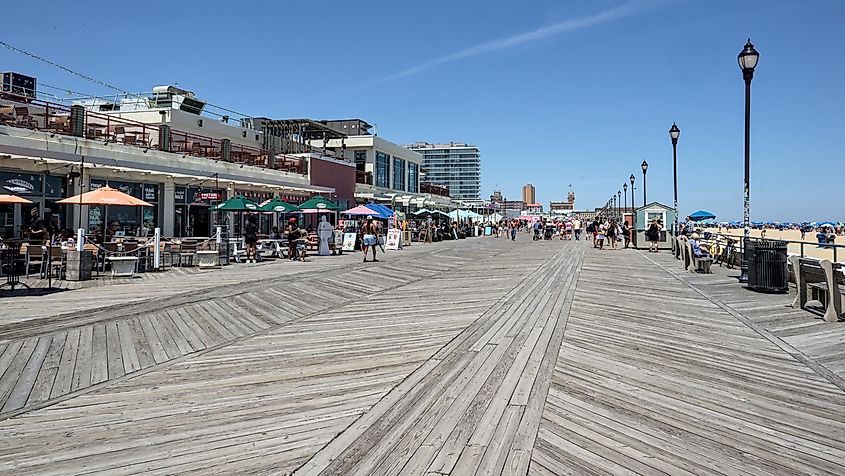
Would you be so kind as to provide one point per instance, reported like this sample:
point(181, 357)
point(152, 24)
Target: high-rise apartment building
point(528, 193)
point(455, 165)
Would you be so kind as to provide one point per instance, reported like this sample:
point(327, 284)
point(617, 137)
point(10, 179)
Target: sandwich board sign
point(349, 241)
point(393, 237)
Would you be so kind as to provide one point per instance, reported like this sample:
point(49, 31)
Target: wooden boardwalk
point(473, 357)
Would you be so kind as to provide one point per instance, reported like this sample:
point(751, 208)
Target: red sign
point(209, 196)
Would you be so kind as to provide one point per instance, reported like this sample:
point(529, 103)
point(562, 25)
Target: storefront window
point(398, 174)
point(382, 166)
point(118, 220)
point(413, 177)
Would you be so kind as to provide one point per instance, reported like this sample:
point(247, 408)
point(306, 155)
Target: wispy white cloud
point(565, 26)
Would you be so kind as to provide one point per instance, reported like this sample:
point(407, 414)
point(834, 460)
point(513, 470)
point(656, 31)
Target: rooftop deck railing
point(37, 114)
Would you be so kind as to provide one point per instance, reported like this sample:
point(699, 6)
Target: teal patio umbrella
point(237, 203)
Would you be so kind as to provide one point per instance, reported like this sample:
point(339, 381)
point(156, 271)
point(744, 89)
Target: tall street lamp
point(625, 196)
point(644, 166)
point(619, 203)
point(633, 211)
point(674, 133)
point(747, 59)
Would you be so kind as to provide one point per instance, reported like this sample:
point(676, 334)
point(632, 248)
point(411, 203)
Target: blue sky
point(554, 92)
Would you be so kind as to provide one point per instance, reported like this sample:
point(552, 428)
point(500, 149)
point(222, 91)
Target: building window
point(398, 174)
point(361, 160)
point(382, 166)
point(413, 177)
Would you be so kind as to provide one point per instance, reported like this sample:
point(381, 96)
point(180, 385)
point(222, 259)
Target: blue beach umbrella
point(701, 215)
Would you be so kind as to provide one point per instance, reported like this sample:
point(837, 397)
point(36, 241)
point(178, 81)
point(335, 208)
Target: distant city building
point(496, 197)
point(516, 205)
point(534, 208)
point(455, 165)
point(563, 207)
point(528, 195)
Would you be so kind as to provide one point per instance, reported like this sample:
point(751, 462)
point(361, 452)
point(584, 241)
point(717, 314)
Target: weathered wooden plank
point(128, 352)
point(64, 375)
point(18, 394)
point(99, 361)
point(47, 375)
point(84, 359)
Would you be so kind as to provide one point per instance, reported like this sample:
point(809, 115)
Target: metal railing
point(796, 247)
point(37, 114)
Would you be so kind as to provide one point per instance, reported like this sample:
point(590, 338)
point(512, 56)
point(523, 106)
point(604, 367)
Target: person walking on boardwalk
point(576, 226)
point(611, 234)
point(250, 238)
point(370, 239)
point(513, 230)
point(652, 235)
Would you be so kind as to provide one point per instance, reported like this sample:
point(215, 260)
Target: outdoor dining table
point(277, 247)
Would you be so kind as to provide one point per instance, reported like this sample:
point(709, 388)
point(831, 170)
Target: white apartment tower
point(455, 165)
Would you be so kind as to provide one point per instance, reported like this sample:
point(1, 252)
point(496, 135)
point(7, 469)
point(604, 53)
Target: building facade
point(456, 165)
point(160, 148)
point(528, 195)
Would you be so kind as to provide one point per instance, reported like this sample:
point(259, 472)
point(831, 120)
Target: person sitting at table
point(274, 233)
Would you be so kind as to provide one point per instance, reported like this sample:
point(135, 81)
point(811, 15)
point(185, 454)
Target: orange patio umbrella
point(105, 196)
point(12, 199)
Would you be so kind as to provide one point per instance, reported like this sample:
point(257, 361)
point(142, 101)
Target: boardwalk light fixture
point(619, 203)
point(625, 196)
point(644, 166)
point(674, 133)
point(747, 59)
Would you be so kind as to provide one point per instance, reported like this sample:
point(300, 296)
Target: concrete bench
point(824, 281)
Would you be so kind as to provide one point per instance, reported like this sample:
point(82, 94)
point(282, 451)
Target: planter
point(208, 259)
point(123, 266)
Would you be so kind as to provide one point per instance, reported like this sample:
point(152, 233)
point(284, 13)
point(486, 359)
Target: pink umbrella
point(360, 210)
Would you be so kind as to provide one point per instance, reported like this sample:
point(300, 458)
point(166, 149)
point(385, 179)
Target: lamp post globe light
point(674, 133)
point(644, 166)
point(747, 60)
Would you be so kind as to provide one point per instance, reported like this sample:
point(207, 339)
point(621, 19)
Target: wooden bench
point(825, 283)
point(697, 263)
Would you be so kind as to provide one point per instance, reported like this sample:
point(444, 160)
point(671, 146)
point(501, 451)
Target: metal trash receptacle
point(768, 270)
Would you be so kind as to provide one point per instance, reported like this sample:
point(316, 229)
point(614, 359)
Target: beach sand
point(811, 248)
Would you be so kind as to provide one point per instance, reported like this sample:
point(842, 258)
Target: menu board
point(349, 241)
point(393, 237)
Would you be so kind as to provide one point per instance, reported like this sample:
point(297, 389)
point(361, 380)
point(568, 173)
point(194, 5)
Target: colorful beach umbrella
point(105, 196)
point(360, 210)
point(701, 215)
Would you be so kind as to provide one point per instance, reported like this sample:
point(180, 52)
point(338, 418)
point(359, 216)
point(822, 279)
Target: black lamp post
point(674, 133)
point(633, 211)
point(619, 203)
point(747, 59)
point(644, 166)
point(625, 196)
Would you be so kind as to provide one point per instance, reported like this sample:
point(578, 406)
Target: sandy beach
point(811, 248)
